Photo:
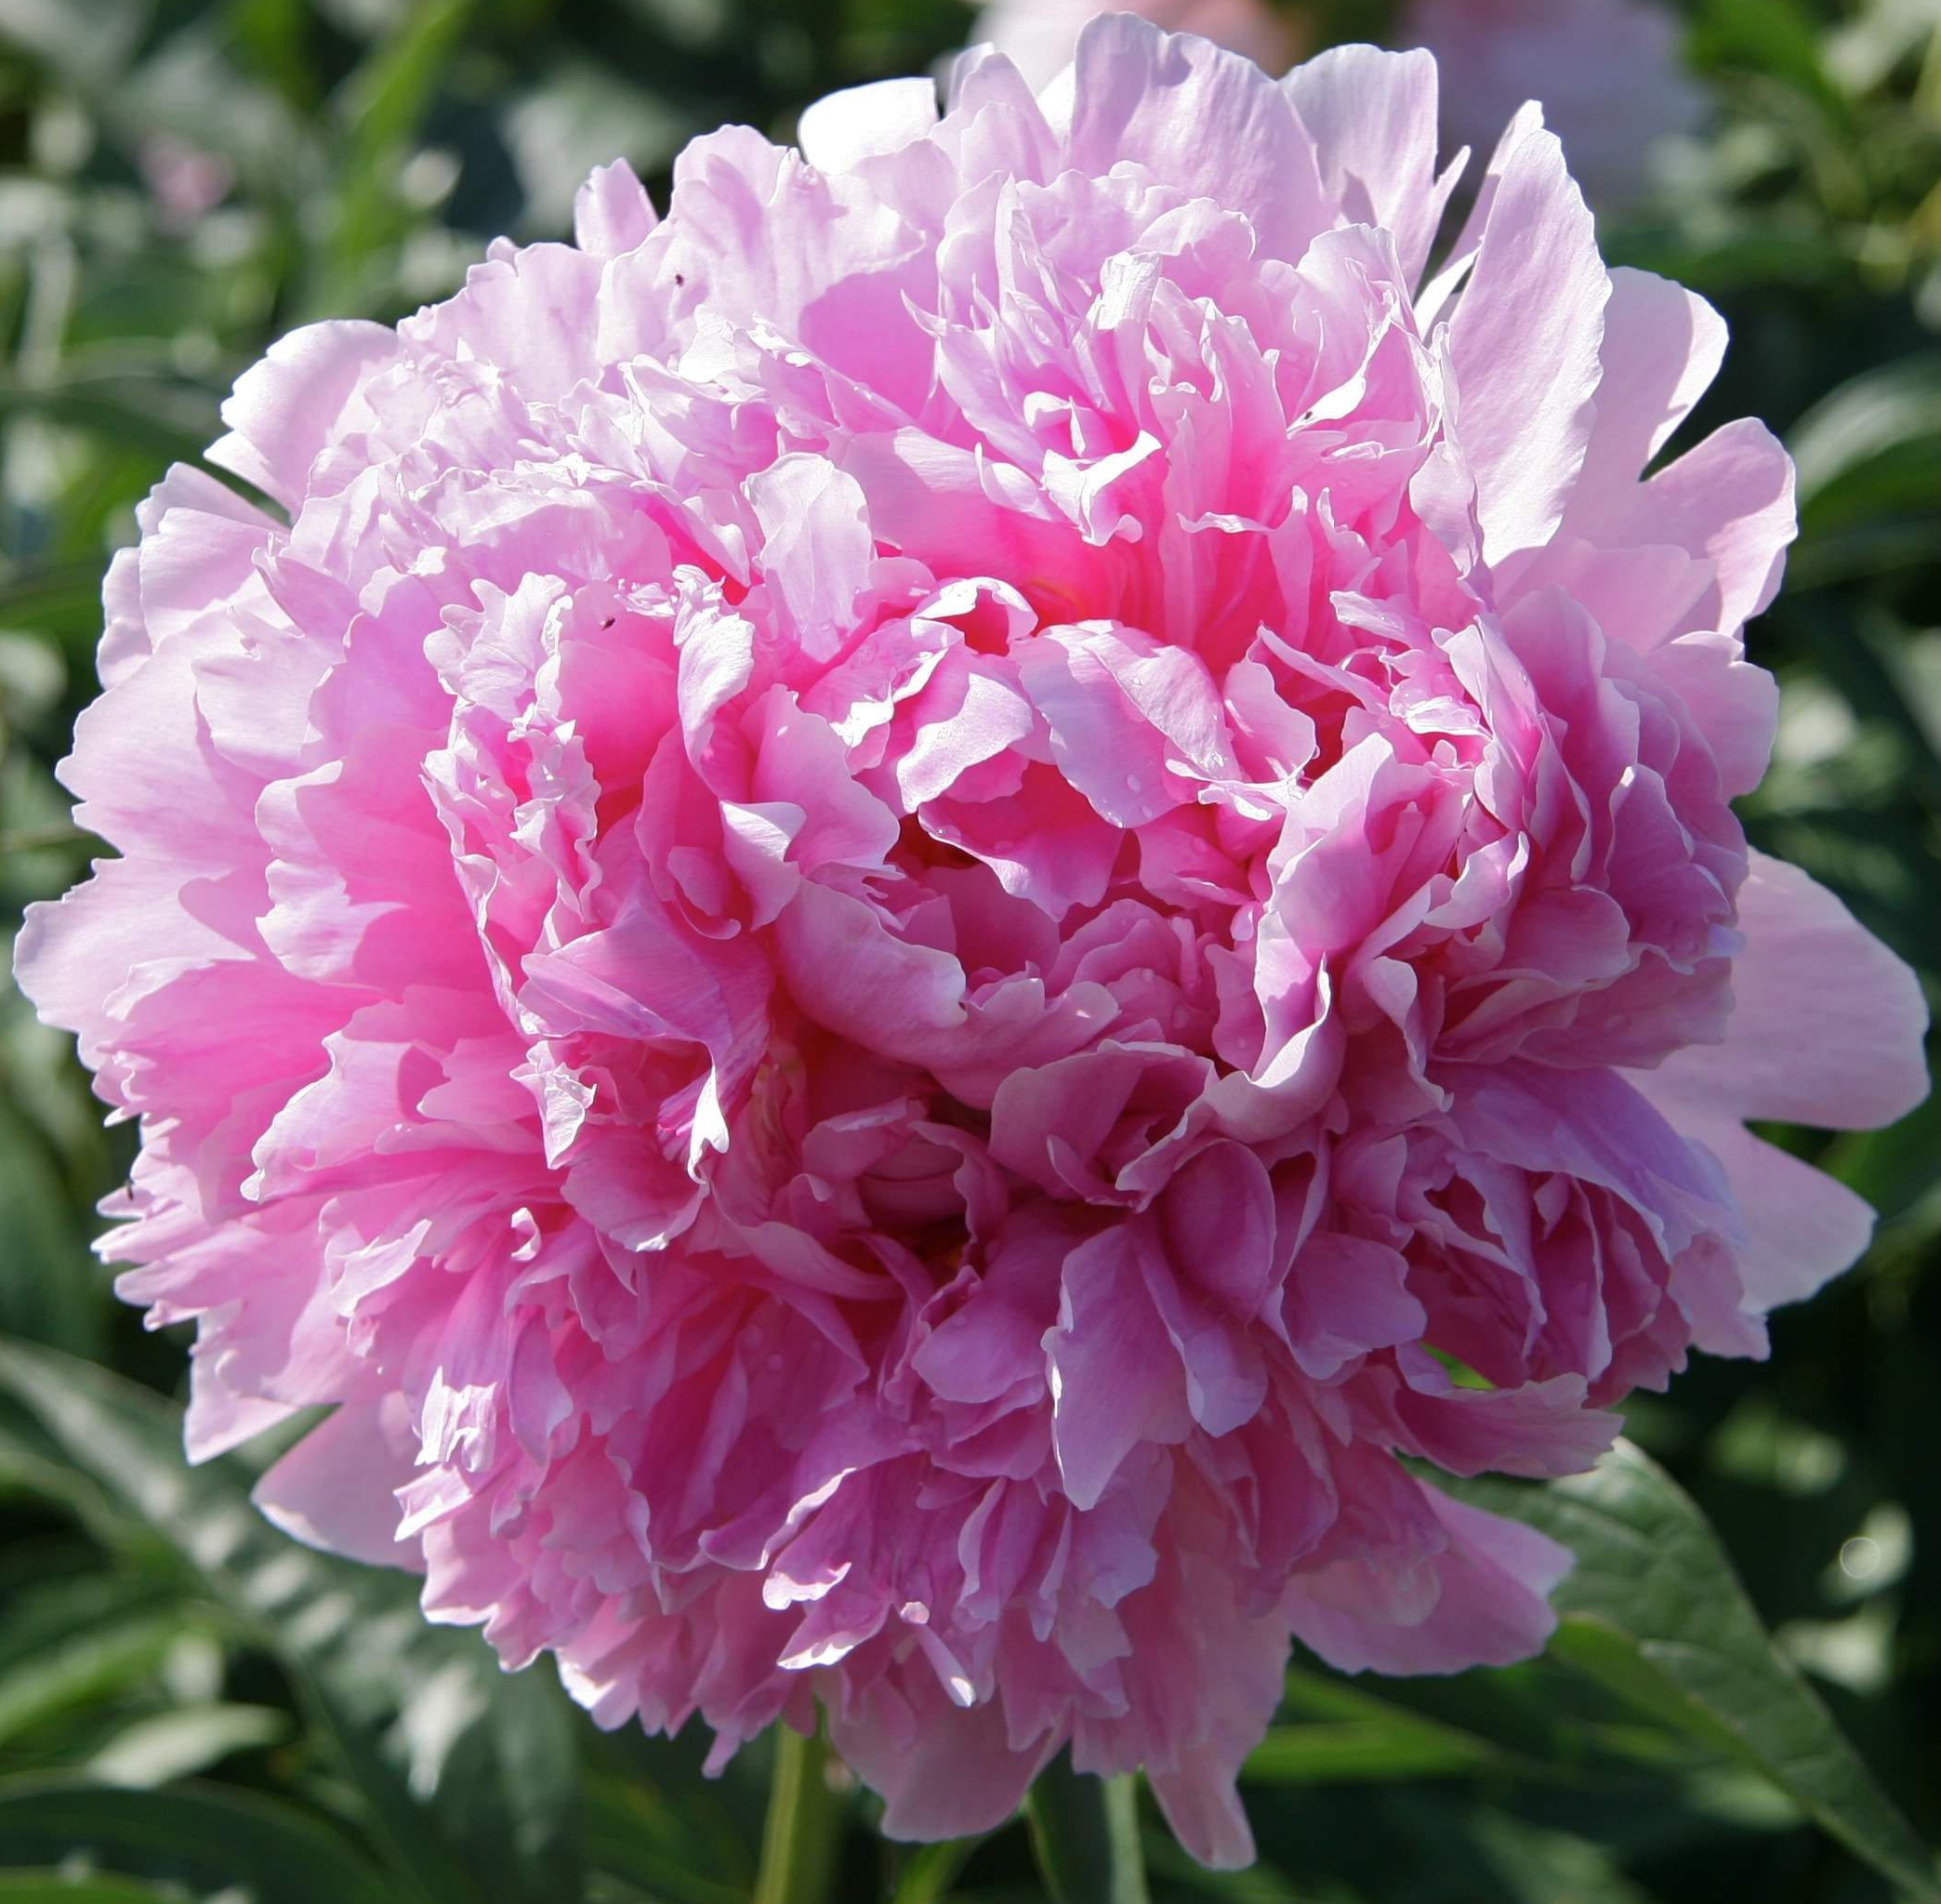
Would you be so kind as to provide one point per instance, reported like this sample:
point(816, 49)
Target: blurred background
point(192, 1708)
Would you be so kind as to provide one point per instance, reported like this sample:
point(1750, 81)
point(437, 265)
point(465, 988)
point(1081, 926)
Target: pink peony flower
point(1607, 72)
point(1039, 36)
point(898, 901)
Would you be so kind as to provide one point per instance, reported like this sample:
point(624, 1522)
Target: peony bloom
point(1039, 36)
point(900, 901)
point(1608, 71)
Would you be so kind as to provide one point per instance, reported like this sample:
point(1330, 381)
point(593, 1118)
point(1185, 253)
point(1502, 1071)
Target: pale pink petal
point(334, 1489)
point(612, 213)
point(1372, 118)
point(305, 394)
point(1662, 348)
point(1208, 121)
point(1533, 312)
point(1487, 1604)
point(865, 121)
point(1826, 1025)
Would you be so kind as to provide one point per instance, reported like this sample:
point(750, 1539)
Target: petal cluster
point(890, 920)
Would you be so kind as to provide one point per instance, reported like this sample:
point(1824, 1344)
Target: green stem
point(799, 1841)
point(1085, 1832)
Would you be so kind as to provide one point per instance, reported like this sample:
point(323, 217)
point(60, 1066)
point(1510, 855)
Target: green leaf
point(1894, 1169)
point(166, 415)
point(383, 101)
point(82, 1668)
point(803, 1831)
point(1085, 1832)
point(1773, 37)
point(1259, 1884)
point(380, 106)
point(1654, 1612)
point(1871, 447)
point(273, 36)
point(931, 1870)
point(179, 1744)
point(200, 1836)
point(669, 1847)
point(469, 1773)
point(1352, 1736)
point(51, 1289)
point(1536, 1866)
point(59, 595)
point(1356, 1752)
point(57, 1887)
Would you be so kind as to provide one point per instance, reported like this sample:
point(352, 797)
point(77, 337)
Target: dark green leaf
point(50, 1290)
point(1654, 1612)
point(82, 1668)
point(1871, 447)
point(1774, 37)
point(671, 1846)
point(477, 1806)
point(57, 1887)
point(1349, 1752)
point(1351, 1733)
point(1085, 1832)
point(191, 1835)
point(72, 1643)
point(931, 1870)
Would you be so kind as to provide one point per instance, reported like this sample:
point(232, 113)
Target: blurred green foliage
point(191, 1707)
